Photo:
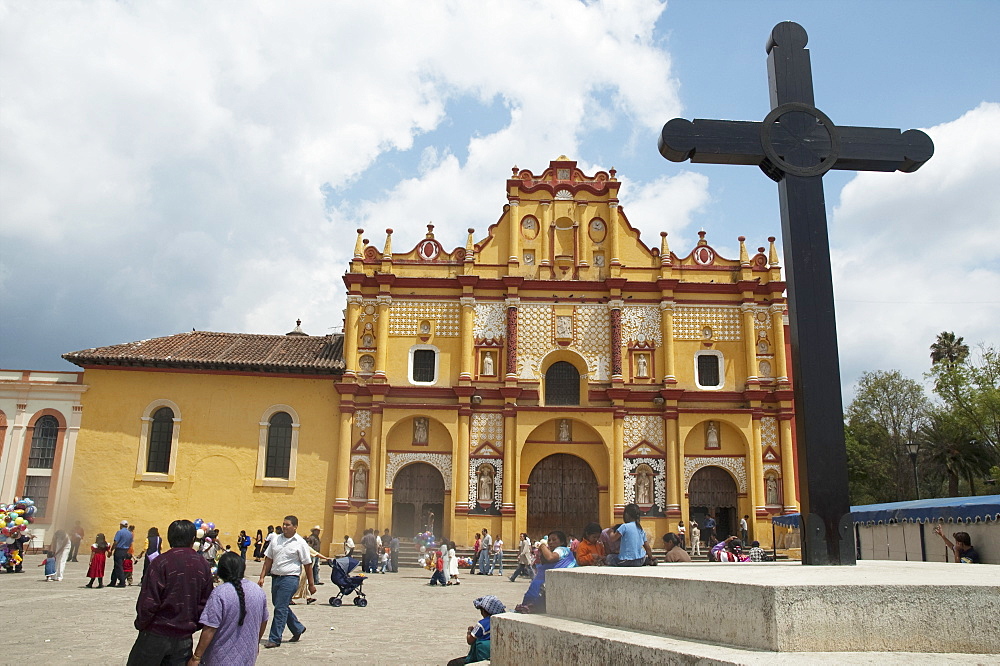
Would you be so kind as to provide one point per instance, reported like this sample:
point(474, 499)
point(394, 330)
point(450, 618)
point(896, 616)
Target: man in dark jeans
point(175, 588)
point(710, 538)
point(122, 542)
point(370, 544)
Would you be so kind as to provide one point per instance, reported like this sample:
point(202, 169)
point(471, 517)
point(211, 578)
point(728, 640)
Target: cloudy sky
point(166, 166)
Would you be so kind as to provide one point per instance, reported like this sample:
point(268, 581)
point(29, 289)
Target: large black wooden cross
point(795, 145)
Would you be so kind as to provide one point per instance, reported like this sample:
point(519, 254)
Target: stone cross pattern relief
point(691, 320)
point(405, 318)
point(641, 323)
point(487, 427)
point(490, 321)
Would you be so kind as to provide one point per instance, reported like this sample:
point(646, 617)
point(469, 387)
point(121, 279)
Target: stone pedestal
point(756, 613)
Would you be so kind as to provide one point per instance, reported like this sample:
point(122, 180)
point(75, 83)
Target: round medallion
point(428, 249)
point(794, 144)
point(704, 255)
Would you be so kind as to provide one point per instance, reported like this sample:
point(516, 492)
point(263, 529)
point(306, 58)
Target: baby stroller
point(342, 568)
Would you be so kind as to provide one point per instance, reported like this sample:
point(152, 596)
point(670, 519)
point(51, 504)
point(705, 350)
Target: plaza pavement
point(405, 622)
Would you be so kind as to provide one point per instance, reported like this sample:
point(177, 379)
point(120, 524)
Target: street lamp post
point(912, 448)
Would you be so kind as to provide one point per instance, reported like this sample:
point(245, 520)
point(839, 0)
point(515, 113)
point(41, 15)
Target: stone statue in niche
point(765, 368)
point(368, 340)
point(771, 491)
point(565, 431)
point(712, 435)
point(360, 482)
point(599, 260)
point(488, 368)
point(564, 327)
point(366, 363)
point(420, 430)
point(529, 258)
point(425, 328)
point(706, 332)
point(643, 485)
point(484, 484)
point(763, 347)
point(642, 366)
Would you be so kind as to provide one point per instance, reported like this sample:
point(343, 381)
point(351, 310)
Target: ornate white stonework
point(564, 194)
point(593, 335)
point(772, 467)
point(648, 427)
point(405, 317)
point(363, 418)
point(691, 320)
point(396, 461)
point(536, 338)
point(736, 466)
point(762, 318)
point(487, 427)
point(474, 464)
point(769, 432)
point(491, 321)
point(363, 458)
point(659, 481)
point(641, 323)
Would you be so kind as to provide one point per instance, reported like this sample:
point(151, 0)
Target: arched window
point(279, 446)
point(43, 443)
point(161, 435)
point(562, 384)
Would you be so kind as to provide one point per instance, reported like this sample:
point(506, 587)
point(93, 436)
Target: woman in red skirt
point(98, 556)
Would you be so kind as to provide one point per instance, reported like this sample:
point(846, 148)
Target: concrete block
point(522, 639)
point(871, 607)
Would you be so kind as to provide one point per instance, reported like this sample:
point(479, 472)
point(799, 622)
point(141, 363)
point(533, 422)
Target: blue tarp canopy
point(947, 509)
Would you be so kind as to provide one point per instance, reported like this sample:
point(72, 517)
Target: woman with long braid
point(234, 618)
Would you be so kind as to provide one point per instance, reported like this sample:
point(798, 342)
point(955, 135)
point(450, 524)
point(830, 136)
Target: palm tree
point(949, 348)
point(951, 450)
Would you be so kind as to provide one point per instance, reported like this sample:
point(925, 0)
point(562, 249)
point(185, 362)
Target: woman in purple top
point(234, 617)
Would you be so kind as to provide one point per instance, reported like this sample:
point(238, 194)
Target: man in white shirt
point(284, 558)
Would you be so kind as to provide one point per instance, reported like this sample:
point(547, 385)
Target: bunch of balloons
point(424, 539)
point(14, 521)
point(203, 527)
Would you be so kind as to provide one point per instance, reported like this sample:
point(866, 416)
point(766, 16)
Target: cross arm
point(711, 141)
point(882, 149)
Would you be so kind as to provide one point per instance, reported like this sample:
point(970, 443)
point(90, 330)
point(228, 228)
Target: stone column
point(467, 326)
point(617, 485)
point(511, 370)
point(376, 485)
point(543, 233)
point(351, 334)
point(667, 333)
point(673, 472)
point(778, 335)
point(509, 461)
point(613, 232)
point(749, 342)
point(757, 467)
point(616, 340)
point(791, 504)
point(514, 232)
point(460, 463)
point(343, 469)
point(382, 353)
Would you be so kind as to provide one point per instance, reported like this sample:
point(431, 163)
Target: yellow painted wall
point(217, 452)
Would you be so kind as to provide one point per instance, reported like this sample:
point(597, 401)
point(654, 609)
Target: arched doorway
point(713, 490)
point(417, 491)
point(562, 495)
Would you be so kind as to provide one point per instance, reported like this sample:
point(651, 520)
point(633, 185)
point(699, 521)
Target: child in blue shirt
point(635, 550)
point(478, 637)
point(50, 565)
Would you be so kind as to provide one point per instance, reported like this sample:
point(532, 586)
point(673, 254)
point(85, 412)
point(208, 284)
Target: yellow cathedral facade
point(541, 377)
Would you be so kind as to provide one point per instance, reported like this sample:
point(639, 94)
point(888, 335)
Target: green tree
point(887, 413)
point(948, 349)
point(970, 388)
point(950, 452)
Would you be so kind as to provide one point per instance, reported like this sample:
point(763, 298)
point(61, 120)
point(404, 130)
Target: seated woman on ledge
point(552, 555)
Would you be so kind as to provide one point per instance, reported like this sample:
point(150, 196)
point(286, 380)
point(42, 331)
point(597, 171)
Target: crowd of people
point(197, 583)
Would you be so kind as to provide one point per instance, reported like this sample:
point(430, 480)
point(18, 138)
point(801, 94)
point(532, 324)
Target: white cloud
point(916, 254)
point(163, 163)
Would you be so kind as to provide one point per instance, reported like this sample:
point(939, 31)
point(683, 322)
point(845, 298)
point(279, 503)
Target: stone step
point(519, 639)
point(786, 607)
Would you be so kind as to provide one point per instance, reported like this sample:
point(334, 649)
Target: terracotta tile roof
point(224, 351)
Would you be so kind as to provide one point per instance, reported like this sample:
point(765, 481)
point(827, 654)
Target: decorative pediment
point(361, 446)
point(770, 455)
point(486, 450)
point(644, 449)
